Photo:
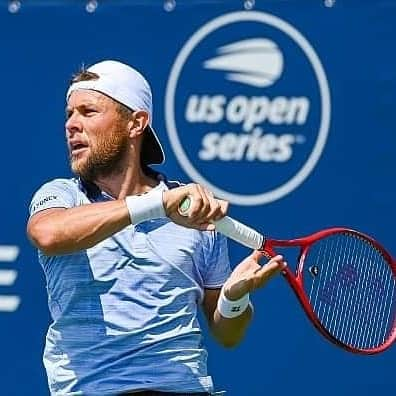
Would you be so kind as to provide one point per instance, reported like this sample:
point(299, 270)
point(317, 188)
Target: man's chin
point(79, 168)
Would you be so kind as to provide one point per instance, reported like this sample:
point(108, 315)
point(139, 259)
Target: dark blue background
point(353, 184)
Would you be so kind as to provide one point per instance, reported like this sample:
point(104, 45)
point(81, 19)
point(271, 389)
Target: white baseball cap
point(128, 87)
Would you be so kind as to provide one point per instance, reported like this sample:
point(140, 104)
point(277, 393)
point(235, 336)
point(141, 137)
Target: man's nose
point(73, 124)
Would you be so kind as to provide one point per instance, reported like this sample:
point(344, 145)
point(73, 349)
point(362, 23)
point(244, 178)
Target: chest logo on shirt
point(44, 201)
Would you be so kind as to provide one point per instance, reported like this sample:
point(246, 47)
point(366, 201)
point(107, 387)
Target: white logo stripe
point(8, 253)
point(7, 277)
point(9, 303)
point(250, 79)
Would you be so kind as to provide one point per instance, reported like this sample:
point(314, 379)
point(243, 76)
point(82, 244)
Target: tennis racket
point(344, 280)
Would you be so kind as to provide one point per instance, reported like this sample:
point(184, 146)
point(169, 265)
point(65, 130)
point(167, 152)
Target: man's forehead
point(87, 96)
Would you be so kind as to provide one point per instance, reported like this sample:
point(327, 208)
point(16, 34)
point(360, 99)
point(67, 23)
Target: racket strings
point(351, 290)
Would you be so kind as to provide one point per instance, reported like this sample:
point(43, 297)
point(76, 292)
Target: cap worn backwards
point(127, 86)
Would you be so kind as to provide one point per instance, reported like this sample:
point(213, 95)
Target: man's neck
point(130, 181)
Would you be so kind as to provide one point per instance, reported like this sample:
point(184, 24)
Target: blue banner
point(284, 108)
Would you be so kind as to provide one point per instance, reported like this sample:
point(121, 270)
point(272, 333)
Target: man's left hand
point(249, 275)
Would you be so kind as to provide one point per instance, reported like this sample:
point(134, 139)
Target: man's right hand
point(204, 208)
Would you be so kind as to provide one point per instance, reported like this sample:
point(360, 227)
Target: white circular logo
point(247, 107)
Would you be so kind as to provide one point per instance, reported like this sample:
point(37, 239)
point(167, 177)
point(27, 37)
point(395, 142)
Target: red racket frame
point(297, 283)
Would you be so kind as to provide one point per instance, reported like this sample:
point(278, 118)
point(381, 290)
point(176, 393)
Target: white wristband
point(145, 207)
point(231, 309)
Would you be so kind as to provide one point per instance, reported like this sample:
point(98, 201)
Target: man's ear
point(138, 123)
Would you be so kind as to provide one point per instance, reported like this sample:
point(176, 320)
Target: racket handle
point(230, 227)
point(239, 232)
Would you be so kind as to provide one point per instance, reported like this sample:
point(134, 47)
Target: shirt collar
point(94, 193)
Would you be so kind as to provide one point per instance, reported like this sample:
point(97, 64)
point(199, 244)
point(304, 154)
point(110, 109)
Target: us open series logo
point(247, 107)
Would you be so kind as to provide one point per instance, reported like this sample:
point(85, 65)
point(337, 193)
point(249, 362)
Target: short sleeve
point(217, 264)
point(58, 193)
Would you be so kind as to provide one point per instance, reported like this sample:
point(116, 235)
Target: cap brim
point(152, 152)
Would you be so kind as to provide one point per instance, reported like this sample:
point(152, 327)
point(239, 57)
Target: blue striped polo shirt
point(125, 311)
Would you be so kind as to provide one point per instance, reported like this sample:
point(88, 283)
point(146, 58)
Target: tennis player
point(125, 272)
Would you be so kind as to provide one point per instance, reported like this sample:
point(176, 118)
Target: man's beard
point(105, 157)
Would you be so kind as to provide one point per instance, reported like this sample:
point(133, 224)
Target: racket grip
point(239, 232)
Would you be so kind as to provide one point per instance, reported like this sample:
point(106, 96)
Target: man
point(125, 271)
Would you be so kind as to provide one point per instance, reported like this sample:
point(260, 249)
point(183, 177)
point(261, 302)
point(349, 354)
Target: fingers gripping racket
point(344, 280)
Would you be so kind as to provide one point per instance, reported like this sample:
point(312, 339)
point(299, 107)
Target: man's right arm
point(60, 231)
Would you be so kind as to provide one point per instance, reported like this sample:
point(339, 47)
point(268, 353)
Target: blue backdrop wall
point(285, 109)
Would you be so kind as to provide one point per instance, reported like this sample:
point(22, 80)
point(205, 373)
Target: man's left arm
point(219, 304)
point(228, 332)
